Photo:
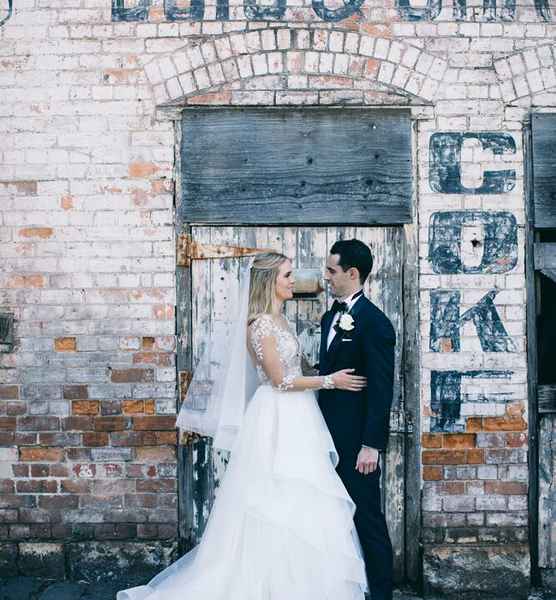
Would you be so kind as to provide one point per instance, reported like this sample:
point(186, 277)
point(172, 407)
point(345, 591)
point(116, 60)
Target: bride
point(281, 527)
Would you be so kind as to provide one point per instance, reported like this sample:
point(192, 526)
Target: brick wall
point(86, 206)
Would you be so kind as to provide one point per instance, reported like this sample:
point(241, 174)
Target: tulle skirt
point(281, 527)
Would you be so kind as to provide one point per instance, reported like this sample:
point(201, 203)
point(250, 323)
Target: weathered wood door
point(214, 280)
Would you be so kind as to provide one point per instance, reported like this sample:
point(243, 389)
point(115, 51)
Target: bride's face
point(285, 281)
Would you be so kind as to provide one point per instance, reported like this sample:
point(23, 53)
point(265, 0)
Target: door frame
point(410, 354)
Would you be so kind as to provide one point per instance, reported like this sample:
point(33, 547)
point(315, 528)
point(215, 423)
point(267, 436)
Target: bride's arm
point(267, 354)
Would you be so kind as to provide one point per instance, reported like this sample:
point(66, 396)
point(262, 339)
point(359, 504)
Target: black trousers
point(371, 527)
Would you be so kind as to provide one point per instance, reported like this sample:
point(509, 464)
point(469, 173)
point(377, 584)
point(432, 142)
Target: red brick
point(7, 423)
point(132, 376)
point(160, 359)
point(78, 423)
point(9, 392)
point(36, 232)
point(431, 440)
point(40, 486)
point(41, 454)
point(133, 407)
point(16, 409)
point(506, 488)
point(40, 470)
point(111, 423)
point(76, 392)
point(75, 486)
point(58, 502)
point(506, 423)
point(147, 343)
point(7, 438)
point(24, 438)
point(38, 424)
point(7, 486)
point(459, 440)
point(95, 438)
point(20, 470)
point(451, 487)
point(476, 456)
point(444, 457)
point(155, 423)
point(166, 437)
point(432, 473)
point(156, 454)
point(142, 169)
point(65, 344)
point(150, 407)
point(156, 485)
point(58, 470)
point(85, 407)
point(474, 424)
point(26, 281)
point(517, 440)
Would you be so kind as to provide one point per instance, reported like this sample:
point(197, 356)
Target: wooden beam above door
point(290, 166)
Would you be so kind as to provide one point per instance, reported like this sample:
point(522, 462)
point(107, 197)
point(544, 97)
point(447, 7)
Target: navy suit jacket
point(359, 418)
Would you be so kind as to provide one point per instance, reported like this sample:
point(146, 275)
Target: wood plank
point(544, 169)
point(546, 398)
point(545, 256)
point(532, 358)
point(296, 166)
point(546, 505)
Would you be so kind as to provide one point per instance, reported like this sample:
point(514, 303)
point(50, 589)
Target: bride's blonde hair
point(262, 287)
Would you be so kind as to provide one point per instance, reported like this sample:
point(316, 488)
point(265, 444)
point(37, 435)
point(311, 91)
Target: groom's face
point(340, 282)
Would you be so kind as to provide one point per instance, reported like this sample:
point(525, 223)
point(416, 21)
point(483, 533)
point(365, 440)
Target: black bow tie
point(343, 306)
point(339, 307)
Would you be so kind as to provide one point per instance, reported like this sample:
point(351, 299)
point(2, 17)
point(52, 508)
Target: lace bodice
point(272, 343)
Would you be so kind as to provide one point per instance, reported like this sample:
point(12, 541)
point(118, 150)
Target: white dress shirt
point(350, 302)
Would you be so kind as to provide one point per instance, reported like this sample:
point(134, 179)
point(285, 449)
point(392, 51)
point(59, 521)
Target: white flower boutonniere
point(346, 322)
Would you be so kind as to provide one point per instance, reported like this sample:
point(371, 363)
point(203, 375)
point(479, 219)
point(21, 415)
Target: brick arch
point(523, 74)
point(301, 59)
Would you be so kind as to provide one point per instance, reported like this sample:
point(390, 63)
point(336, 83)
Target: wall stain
point(445, 163)
point(446, 323)
point(499, 244)
point(446, 397)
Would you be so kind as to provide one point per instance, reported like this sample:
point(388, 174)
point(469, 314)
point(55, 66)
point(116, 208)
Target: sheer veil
point(225, 376)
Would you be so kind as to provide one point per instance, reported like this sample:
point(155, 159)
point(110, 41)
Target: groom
point(356, 334)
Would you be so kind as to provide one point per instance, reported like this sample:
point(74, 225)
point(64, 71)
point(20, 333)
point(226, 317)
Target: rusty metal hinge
point(184, 380)
point(189, 249)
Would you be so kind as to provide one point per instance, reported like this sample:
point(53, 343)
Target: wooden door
point(204, 296)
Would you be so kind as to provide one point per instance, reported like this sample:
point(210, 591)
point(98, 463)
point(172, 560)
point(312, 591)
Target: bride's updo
point(262, 289)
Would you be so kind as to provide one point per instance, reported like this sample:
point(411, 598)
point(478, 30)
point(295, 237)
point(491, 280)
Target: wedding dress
point(281, 527)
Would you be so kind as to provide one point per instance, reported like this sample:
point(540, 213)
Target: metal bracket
point(189, 249)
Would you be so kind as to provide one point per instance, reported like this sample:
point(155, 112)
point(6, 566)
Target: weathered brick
point(132, 376)
point(76, 392)
point(65, 344)
point(111, 423)
point(9, 392)
point(154, 423)
point(41, 454)
point(85, 407)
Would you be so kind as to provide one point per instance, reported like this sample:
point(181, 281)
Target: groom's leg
point(372, 530)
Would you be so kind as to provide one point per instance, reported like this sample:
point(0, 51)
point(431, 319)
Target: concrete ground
point(33, 588)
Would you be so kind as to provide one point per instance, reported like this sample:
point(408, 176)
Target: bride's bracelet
point(328, 383)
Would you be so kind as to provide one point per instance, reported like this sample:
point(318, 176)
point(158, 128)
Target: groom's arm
point(378, 348)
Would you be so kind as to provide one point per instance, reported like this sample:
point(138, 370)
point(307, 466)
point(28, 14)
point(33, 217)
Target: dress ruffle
point(282, 525)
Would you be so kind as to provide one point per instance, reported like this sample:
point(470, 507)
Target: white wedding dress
point(281, 527)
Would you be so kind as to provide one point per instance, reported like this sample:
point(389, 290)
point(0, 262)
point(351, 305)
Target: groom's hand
point(367, 460)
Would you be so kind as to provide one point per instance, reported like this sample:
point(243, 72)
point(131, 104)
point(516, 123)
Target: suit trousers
point(371, 527)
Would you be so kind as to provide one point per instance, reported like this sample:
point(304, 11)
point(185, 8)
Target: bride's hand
point(344, 380)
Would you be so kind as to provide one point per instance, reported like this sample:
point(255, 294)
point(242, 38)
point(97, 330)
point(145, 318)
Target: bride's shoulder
point(263, 324)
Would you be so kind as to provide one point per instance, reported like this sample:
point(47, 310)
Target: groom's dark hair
point(354, 253)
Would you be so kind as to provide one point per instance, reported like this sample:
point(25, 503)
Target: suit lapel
point(338, 337)
point(326, 322)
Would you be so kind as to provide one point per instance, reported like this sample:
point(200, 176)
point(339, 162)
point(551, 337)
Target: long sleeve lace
point(276, 351)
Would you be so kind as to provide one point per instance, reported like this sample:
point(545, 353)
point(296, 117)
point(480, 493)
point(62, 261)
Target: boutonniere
point(345, 323)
